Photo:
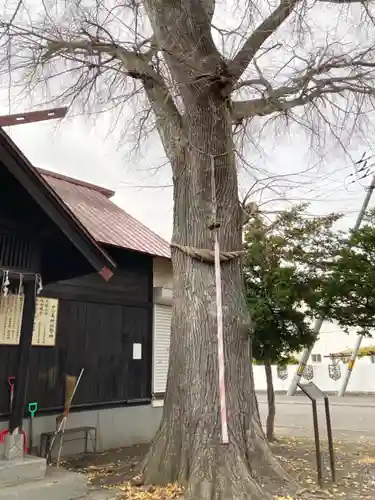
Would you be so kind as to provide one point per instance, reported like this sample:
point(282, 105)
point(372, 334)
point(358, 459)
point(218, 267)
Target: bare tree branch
point(96, 51)
point(238, 65)
point(243, 110)
point(257, 38)
point(168, 119)
point(253, 82)
point(357, 76)
point(135, 64)
point(340, 2)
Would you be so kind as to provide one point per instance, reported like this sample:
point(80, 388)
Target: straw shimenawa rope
point(206, 255)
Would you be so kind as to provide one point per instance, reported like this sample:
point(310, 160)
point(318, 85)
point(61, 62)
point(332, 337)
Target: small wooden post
point(317, 443)
point(330, 440)
point(24, 352)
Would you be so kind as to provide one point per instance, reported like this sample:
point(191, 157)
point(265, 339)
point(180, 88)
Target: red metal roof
point(106, 222)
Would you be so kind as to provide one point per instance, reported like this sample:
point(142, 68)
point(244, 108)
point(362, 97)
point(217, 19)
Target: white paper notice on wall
point(137, 351)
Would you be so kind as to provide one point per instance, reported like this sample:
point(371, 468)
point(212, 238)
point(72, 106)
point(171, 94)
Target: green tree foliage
point(352, 284)
point(288, 263)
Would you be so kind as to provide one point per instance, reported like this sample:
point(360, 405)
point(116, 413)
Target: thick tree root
point(229, 479)
point(212, 471)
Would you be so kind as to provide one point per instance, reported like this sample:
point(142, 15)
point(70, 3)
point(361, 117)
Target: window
point(316, 358)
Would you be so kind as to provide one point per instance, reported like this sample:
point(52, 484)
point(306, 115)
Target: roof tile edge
point(108, 193)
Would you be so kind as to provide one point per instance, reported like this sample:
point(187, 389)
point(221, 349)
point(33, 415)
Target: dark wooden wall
point(21, 226)
point(98, 323)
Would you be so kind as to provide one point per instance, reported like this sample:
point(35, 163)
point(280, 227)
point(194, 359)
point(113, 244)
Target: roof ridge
point(108, 193)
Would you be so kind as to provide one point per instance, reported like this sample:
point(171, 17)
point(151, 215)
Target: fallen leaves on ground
point(131, 492)
point(355, 467)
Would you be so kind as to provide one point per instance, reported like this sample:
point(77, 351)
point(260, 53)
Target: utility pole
point(358, 342)
point(318, 323)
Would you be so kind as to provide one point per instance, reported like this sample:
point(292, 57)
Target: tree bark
point(270, 425)
point(187, 446)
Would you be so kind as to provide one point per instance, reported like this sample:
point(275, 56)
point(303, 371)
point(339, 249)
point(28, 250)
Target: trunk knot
point(214, 224)
point(206, 255)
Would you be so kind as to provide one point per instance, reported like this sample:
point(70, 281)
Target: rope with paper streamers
point(206, 255)
point(7, 275)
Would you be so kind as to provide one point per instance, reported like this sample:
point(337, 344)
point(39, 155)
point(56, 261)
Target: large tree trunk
point(187, 447)
point(270, 424)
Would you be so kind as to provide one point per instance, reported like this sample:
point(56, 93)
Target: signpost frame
point(315, 394)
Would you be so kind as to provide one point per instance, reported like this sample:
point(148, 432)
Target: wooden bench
point(86, 431)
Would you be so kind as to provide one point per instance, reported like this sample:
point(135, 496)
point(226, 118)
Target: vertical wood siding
point(98, 323)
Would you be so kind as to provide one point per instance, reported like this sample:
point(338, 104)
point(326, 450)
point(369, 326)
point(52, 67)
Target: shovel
point(32, 408)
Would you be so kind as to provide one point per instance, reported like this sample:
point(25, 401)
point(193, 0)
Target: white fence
point(362, 379)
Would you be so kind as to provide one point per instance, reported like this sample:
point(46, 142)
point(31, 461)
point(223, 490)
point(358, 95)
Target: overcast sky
point(84, 151)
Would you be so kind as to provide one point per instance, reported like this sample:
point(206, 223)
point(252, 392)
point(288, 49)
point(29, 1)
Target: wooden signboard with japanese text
point(45, 321)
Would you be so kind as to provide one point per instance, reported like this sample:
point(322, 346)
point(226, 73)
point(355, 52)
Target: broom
point(71, 384)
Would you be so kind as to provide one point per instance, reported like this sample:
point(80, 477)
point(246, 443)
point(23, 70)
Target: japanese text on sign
point(45, 320)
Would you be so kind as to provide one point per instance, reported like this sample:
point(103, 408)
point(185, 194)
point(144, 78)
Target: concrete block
point(13, 446)
point(142, 423)
point(58, 484)
point(21, 470)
